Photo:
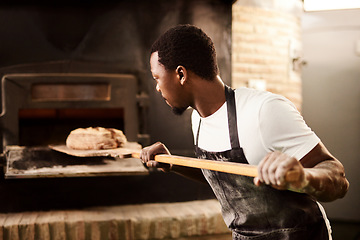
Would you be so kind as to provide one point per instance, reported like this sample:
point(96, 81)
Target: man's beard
point(178, 111)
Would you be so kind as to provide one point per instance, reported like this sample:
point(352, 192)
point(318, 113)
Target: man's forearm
point(326, 181)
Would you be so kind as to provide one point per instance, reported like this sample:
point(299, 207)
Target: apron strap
point(232, 119)
point(197, 134)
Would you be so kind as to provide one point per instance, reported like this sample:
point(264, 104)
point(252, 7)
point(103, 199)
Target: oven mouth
point(39, 110)
point(41, 127)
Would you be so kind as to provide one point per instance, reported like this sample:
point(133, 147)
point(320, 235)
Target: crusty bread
point(95, 138)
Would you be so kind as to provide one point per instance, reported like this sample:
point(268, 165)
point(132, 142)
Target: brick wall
point(266, 40)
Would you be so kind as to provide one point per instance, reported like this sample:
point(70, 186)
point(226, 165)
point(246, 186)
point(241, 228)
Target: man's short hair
point(190, 47)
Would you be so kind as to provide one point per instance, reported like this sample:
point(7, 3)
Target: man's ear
point(182, 74)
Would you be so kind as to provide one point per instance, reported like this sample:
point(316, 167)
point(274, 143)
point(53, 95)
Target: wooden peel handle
point(227, 167)
point(135, 155)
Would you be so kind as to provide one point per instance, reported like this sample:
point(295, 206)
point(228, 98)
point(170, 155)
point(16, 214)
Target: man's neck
point(209, 96)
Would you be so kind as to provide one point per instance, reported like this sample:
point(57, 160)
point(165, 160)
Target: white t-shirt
point(266, 122)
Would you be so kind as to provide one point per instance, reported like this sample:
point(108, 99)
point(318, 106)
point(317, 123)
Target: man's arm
point(147, 156)
point(321, 175)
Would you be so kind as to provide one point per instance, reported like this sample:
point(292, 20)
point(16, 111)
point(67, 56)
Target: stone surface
point(184, 220)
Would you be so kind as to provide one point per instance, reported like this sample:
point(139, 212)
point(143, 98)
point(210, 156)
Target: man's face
point(168, 84)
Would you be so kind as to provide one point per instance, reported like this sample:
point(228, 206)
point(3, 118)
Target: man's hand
point(147, 156)
point(321, 175)
point(273, 168)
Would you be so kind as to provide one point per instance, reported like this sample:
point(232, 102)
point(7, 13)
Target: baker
point(246, 126)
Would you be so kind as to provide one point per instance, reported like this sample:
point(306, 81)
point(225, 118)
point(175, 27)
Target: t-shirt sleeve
point(283, 128)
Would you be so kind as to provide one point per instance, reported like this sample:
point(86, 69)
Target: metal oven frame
point(66, 91)
point(17, 94)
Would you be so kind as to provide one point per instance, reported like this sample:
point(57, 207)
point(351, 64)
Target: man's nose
point(158, 88)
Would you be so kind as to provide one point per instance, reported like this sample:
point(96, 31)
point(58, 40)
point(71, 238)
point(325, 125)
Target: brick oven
point(70, 64)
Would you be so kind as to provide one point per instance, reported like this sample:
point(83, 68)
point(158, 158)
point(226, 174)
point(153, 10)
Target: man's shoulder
point(249, 96)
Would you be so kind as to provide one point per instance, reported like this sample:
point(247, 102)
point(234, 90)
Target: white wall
point(331, 95)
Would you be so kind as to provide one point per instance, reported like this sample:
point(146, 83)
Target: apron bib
point(263, 212)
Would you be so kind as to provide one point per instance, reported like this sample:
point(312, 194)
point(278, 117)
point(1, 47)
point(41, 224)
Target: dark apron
point(263, 212)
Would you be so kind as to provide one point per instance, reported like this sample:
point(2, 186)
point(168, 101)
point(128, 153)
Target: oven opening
point(42, 127)
point(33, 157)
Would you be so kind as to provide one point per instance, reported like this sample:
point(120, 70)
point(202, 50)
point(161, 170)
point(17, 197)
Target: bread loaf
point(95, 138)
